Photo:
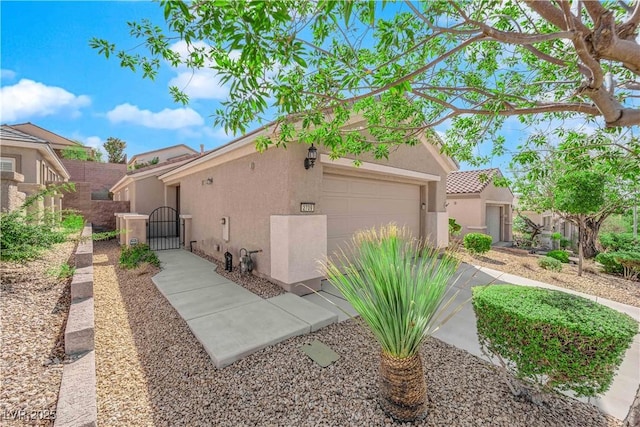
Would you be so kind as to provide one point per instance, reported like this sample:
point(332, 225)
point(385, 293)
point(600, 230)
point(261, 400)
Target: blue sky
point(52, 78)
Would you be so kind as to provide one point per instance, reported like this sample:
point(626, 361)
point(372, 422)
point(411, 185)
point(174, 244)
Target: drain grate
point(320, 353)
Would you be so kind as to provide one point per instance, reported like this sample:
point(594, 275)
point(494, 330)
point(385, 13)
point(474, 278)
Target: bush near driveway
point(133, 256)
point(561, 256)
point(477, 243)
point(615, 242)
point(549, 263)
point(558, 340)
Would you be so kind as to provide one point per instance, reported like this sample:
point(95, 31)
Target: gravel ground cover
point(152, 371)
point(593, 282)
point(34, 305)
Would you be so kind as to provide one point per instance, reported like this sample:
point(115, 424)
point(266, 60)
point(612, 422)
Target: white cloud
point(28, 98)
point(7, 74)
point(200, 84)
point(166, 119)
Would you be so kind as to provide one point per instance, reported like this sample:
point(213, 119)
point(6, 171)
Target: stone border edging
point(77, 399)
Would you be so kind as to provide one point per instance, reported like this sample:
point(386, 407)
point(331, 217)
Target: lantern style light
point(312, 155)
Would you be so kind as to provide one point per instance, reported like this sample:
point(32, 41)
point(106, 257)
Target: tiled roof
point(47, 135)
point(7, 132)
point(470, 182)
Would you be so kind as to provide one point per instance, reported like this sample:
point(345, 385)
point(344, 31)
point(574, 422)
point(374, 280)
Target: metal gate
point(163, 229)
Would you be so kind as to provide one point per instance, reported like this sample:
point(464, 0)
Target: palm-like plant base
point(403, 391)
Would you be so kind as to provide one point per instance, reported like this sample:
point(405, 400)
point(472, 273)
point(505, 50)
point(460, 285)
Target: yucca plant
point(397, 285)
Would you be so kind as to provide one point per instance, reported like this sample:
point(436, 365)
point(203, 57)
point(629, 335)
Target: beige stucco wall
point(252, 188)
point(470, 210)
point(148, 194)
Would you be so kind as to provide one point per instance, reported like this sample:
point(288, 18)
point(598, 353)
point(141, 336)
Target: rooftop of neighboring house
point(178, 159)
point(470, 182)
point(56, 140)
point(181, 149)
point(8, 132)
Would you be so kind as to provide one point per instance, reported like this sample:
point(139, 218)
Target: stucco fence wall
point(100, 213)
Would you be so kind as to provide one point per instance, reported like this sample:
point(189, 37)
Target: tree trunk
point(633, 417)
point(581, 235)
point(590, 240)
point(403, 390)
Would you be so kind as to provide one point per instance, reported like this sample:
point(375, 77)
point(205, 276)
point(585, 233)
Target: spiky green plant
point(397, 286)
point(395, 283)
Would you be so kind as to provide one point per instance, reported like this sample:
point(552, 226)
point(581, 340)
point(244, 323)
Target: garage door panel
point(367, 203)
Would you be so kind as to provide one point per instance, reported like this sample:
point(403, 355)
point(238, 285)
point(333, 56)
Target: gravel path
point(592, 282)
point(34, 305)
point(152, 371)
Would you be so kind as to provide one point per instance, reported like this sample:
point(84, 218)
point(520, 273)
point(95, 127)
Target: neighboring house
point(234, 197)
point(475, 202)
point(551, 223)
point(175, 152)
point(28, 164)
point(57, 142)
point(145, 191)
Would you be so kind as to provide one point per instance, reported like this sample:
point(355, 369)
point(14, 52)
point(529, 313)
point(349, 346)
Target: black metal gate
point(163, 229)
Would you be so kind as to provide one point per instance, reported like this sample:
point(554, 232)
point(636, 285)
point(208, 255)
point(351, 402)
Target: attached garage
point(353, 204)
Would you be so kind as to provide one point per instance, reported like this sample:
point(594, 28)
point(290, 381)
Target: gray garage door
point(493, 222)
point(352, 204)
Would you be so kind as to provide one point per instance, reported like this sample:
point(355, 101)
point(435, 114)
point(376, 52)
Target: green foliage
point(454, 227)
point(115, 149)
point(625, 263)
point(549, 263)
point(617, 224)
point(64, 271)
point(403, 69)
point(613, 242)
point(580, 192)
point(477, 243)
point(151, 162)
point(24, 236)
point(520, 225)
point(561, 256)
point(395, 284)
point(545, 335)
point(75, 153)
point(565, 243)
point(556, 236)
point(133, 256)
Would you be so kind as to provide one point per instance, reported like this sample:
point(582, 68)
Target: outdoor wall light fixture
point(312, 155)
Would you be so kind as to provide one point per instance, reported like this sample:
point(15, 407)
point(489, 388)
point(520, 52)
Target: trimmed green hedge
point(561, 340)
point(561, 256)
point(549, 263)
point(477, 243)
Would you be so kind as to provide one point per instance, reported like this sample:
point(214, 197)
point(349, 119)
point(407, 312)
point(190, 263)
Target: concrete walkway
point(228, 320)
point(460, 330)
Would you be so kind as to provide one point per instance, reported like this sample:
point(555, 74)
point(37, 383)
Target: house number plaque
point(307, 207)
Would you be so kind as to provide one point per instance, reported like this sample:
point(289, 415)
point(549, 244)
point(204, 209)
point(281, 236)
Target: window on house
point(7, 164)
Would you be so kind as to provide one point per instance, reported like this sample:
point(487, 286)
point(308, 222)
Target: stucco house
point(296, 205)
point(28, 164)
point(550, 223)
point(57, 142)
point(175, 152)
point(478, 205)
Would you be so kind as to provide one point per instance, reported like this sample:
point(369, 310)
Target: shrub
point(615, 242)
point(549, 263)
point(561, 256)
point(133, 256)
point(454, 227)
point(544, 333)
point(565, 243)
point(625, 263)
point(556, 236)
point(477, 243)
